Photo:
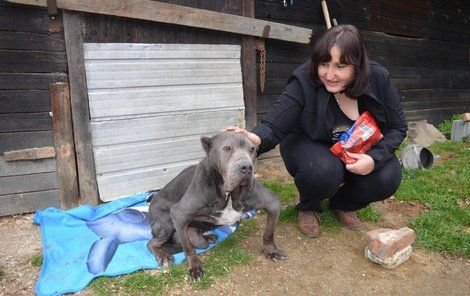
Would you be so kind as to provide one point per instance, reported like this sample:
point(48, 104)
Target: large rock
point(423, 133)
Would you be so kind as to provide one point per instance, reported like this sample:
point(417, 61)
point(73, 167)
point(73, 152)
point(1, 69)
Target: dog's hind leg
point(162, 232)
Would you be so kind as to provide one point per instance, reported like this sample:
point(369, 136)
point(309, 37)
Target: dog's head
point(231, 155)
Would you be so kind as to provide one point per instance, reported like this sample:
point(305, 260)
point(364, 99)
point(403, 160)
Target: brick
point(392, 261)
point(384, 243)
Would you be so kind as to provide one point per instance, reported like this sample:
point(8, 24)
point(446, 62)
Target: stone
point(423, 133)
point(389, 247)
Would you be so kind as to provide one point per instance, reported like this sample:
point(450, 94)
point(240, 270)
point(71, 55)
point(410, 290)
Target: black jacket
point(304, 106)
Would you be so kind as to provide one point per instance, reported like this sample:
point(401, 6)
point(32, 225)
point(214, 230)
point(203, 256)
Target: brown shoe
point(309, 223)
point(348, 219)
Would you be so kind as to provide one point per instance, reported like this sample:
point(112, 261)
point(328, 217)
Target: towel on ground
point(109, 240)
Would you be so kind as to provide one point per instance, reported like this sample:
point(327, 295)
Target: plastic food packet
point(362, 135)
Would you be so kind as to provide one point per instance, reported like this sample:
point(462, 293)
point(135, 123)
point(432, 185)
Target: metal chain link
point(262, 63)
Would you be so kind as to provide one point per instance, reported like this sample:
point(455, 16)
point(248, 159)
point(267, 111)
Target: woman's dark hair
point(353, 52)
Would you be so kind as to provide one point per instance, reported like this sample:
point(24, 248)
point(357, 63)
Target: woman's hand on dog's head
point(253, 137)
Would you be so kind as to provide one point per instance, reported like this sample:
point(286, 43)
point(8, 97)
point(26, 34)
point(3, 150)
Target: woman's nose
point(330, 74)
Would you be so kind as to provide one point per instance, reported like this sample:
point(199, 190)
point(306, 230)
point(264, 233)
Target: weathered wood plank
point(180, 15)
point(28, 202)
point(434, 94)
point(64, 145)
point(402, 11)
point(24, 140)
point(30, 154)
point(79, 104)
point(25, 122)
point(26, 167)
point(29, 81)
point(248, 63)
point(434, 116)
point(32, 61)
point(171, 125)
point(28, 183)
point(31, 41)
point(24, 101)
point(154, 100)
point(24, 20)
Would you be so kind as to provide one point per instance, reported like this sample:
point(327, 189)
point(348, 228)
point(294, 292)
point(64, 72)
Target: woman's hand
point(253, 137)
point(363, 166)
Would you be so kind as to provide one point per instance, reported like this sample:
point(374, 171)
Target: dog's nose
point(246, 168)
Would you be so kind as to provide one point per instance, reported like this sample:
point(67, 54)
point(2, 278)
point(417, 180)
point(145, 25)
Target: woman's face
point(333, 74)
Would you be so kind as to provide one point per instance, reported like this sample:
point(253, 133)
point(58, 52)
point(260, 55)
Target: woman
point(322, 99)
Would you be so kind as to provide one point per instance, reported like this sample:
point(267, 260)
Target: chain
point(262, 63)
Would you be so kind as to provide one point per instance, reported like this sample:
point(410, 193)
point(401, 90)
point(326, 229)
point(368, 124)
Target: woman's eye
point(341, 66)
point(324, 64)
point(227, 148)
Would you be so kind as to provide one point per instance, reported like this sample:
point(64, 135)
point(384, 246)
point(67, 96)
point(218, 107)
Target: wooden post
point(248, 56)
point(80, 112)
point(64, 146)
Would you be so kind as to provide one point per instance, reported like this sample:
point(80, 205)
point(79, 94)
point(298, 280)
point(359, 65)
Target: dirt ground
point(333, 264)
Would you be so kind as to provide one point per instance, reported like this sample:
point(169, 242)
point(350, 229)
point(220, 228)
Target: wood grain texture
point(64, 145)
point(181, 15)
point(79, 106)
point(28, 202)
point(30, 154)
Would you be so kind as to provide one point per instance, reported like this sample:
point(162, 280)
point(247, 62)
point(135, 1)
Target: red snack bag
point(362, 135)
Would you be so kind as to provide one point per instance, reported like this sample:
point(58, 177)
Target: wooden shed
point(109, 98)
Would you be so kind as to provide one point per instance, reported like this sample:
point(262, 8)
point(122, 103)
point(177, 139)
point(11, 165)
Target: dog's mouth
point(245, 182)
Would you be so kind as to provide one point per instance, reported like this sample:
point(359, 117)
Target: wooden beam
point(30, 154)
point(182, 15)
point(248, 63)
point(64, 145)
point(79, 104)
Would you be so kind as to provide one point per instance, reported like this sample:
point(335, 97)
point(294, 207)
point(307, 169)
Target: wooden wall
point(424, 44)
point(32, 55)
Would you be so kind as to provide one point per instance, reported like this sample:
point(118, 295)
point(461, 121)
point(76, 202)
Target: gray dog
point(217, 191)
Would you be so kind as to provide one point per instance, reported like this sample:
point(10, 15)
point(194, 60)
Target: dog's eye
point(252, 149)
point(227, 148)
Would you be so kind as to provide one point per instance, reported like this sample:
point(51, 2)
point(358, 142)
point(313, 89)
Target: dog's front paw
point(164, 259)
point(195, 267)
point(196, 272)
point(274, 253)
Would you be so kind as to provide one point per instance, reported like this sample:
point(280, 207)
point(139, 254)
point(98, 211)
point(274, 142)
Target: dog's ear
point(206, 143)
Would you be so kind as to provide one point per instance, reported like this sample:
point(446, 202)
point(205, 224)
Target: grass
point(445, 191)
point(218, 263)
point(36, 260)
point(2, 273)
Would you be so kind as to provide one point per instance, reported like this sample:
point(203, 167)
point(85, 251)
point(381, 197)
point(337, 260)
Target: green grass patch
point(217, 263)
point(2, 273)
point(445, 191)
point(287, 192)
point(36, 260)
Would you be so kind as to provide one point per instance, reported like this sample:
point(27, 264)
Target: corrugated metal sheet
point(149, 105)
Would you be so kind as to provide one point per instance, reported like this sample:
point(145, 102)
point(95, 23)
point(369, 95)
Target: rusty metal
point(260, 46)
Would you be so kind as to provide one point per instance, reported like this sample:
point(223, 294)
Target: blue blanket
point(86, 242)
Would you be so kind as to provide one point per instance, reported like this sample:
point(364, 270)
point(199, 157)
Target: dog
point(215, 192)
